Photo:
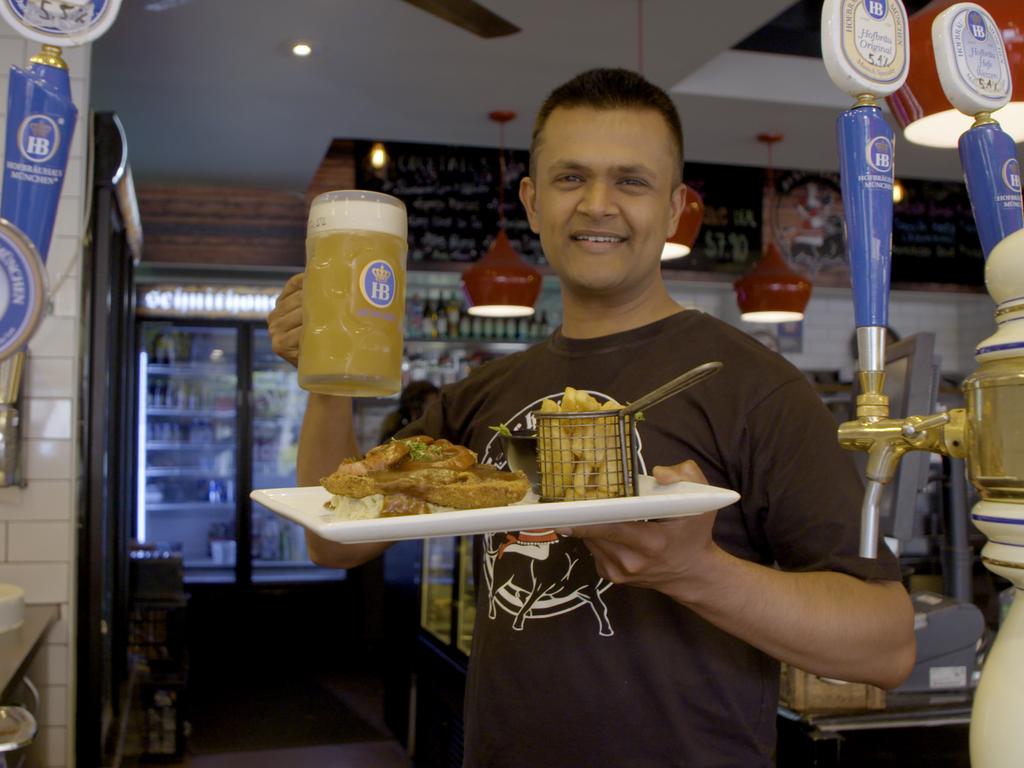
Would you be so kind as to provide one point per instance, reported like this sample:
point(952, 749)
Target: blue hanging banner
point(40, 126)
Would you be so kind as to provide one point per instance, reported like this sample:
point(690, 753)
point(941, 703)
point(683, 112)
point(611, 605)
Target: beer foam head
point(359, 210)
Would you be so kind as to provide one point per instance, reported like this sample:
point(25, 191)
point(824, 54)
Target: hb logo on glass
point(378, 284)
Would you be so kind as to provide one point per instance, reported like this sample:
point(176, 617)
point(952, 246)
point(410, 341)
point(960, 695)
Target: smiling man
point(646, 644)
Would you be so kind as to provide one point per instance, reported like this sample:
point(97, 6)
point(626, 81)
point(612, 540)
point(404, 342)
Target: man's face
point(604, 197)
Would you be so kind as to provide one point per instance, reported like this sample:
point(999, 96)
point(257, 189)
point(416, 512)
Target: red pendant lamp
point(921, 107)
point(772, 292)
point(501, 284)
point(682, 240)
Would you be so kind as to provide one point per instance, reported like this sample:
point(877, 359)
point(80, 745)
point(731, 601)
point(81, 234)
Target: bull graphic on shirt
point(542, 569)
point(534, 575)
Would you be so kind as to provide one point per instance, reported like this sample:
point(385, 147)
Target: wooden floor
point(363, 695)
point(367, 754)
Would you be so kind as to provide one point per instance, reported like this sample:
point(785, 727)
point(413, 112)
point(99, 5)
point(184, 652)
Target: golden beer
point(353, 295)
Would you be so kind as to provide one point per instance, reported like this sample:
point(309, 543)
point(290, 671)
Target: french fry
point(569, 404)
point(565, 461)
point(579, 480)
point(587, 401)
point(600, 440)
point(582, 438)
point(601, 486)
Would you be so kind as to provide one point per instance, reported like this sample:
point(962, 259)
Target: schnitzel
point(415, 476)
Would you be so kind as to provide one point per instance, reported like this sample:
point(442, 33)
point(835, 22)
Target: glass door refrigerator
point(218, 415)
point(278, 546)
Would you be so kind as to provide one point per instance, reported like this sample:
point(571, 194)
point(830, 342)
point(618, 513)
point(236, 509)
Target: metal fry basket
point(593, 454)
point(586, 455)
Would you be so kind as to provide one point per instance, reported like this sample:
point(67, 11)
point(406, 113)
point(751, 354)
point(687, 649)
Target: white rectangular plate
point(306, 507)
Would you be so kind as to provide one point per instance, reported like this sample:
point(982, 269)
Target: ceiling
point(209, 93)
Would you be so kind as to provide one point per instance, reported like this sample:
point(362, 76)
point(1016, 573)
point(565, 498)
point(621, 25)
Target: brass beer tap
point(886, 440)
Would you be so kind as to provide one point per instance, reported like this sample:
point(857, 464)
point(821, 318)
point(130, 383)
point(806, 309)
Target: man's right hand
point(285, 321)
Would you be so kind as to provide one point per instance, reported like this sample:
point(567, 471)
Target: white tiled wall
point(37, 522)
point(35, 542)
point(958, 320)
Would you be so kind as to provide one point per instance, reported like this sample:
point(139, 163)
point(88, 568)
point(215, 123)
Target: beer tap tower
point(989, 432)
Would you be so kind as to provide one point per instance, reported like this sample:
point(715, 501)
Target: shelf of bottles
point(443, 342)
point(442, 315)
point(187, 443)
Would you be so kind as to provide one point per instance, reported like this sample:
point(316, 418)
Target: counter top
point(19, 646)
point(901, 711)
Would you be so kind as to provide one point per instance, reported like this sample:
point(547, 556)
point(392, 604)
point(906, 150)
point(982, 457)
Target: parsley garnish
point(419, 451)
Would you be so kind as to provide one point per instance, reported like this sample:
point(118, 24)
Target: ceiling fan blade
point(469, 15)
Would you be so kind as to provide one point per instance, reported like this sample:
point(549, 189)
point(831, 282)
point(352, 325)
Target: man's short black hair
point(610, 89)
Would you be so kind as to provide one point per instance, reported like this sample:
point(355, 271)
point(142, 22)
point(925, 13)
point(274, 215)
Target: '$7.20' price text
point(722, 247)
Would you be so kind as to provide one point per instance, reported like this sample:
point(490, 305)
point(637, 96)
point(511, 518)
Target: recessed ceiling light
point(378, 156)
point(302, 49)
point(898, 192)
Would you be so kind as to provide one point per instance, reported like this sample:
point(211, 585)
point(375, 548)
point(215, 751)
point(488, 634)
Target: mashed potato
point(347, 508)
point(366, 508)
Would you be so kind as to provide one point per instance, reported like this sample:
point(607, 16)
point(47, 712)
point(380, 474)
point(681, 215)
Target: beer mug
point(353, 295)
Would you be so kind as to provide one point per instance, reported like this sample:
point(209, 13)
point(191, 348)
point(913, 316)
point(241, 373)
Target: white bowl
point(12, 607)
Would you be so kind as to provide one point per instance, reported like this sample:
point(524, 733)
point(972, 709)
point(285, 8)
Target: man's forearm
point(829, 624)
point(327, 437)
point(331, 554)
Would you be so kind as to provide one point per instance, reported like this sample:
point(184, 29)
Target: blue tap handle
point(40, 126)
point(866, 175)
point(992, 173)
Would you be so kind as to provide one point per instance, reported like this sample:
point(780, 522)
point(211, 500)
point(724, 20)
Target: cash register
point(947, 633)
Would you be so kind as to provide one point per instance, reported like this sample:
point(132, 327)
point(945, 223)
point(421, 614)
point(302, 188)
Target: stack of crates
point(156, 645)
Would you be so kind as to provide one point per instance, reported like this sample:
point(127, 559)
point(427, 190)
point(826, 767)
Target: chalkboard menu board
point(729, 240)
point(934, 238)
point(451, 194)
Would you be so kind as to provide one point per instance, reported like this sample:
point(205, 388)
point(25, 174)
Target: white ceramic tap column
point(975, 75)
point(996, 720)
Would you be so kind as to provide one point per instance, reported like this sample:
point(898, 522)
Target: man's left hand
point(659, 554)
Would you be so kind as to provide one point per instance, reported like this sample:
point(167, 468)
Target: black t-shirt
point(570, 670)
